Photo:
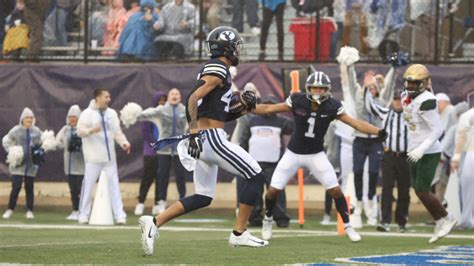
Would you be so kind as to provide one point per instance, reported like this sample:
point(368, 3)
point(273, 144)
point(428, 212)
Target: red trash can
point(304, 30)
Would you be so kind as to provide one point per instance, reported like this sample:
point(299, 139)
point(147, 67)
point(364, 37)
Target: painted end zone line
point(297, 232)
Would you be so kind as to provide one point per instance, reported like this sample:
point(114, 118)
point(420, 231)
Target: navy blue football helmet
point(225, 41)
point(320, 80)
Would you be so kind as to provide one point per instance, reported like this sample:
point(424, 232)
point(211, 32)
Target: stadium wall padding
point(50, 89)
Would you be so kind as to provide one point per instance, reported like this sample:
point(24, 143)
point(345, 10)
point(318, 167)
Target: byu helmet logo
point(227, 36)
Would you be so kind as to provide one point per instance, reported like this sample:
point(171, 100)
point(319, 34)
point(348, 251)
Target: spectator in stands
point(175, 27)
point(171, 121)
point(339, 9)
point(35, 16)
point(263, 138)
point(251, 9)
point(99, 126)
point(6, 6)
point(16, 39)
point(150, 133)
point(214, 19)
point(19, 143)
point(355, 9)
point(132, 7)
point(68, 140)
point(98, 20)
point(115, 11)
point(55, 33)
point(270, 9)
point(136, 40)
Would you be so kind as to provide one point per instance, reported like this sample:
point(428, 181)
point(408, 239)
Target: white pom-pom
point(15, 156)
point(348, 55)
point(48, 141)
point(129, 114)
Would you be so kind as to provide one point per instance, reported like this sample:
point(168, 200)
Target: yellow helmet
point(419, 76)
point(416, 72)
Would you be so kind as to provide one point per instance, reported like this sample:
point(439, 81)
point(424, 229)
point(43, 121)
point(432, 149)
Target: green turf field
point(49, 239)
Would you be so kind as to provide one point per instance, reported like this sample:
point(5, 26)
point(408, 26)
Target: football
point(236, 104)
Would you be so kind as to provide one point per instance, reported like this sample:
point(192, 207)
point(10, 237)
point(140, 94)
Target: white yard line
point(62, 244)
point(281, 232)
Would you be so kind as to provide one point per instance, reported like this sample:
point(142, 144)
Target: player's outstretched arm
point(361, 126)
point(265, 109)
point(203, 86)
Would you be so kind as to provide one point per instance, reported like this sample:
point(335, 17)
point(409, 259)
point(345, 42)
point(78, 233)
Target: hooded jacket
point(358, 94)
point(73, 161)
point(147, 128)
point(17, 137)
point(170, 120)
point(99, 147)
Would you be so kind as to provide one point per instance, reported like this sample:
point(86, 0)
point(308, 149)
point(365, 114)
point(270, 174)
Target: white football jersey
point(423, 122)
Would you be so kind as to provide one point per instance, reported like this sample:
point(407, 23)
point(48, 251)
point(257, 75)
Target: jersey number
point(310, 133)
point(226, 99)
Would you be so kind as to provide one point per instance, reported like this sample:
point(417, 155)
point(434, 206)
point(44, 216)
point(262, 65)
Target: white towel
point(187, 161)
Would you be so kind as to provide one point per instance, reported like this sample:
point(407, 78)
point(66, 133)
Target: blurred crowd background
point(290, 30)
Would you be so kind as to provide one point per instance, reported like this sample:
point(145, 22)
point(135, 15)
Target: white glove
point(415, 155)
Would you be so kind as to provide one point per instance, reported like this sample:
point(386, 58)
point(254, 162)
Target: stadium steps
point(74, 50)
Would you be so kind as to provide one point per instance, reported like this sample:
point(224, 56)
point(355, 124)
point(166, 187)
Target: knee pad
point(195, 202)
point(252, 189)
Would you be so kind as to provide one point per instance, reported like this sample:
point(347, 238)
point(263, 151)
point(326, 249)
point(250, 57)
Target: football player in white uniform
point(424, 149)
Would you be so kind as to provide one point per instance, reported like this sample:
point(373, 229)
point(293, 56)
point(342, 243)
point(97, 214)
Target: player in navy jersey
point(207, 110)
point(313, 111)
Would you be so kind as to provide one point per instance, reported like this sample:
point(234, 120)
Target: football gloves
point(399, 59)
point(249, 99)
point(382, 135)
point(415, 155)
point(195, 145)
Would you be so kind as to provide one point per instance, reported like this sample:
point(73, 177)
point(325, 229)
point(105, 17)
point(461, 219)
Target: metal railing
point(452, 40)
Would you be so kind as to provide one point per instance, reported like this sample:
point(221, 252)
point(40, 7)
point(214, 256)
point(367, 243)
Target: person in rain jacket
point(136, 40)
point(150, 133)
point(99, 126)
point(171, 121)
point(22, 139)
point(68, 140)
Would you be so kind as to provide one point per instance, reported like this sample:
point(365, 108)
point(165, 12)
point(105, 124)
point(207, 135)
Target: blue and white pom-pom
point(348, 55)
point(48, 142)
point(15, 156)
point(129, 114)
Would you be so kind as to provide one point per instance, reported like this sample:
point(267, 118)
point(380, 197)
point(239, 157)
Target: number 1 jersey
point(311, 126)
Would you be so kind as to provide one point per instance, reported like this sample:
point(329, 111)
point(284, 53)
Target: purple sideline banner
point(50, 89)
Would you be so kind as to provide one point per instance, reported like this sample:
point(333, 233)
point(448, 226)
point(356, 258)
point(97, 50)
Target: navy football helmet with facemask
point(320, 80)
point(225, 41)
